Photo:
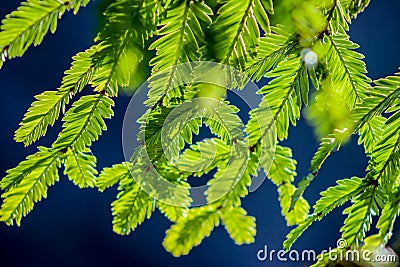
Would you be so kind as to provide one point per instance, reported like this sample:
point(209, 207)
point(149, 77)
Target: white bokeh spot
point(309, 57)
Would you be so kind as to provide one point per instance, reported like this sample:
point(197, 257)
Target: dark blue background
point(73, 227)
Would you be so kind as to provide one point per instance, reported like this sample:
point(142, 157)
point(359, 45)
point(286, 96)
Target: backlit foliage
point(275, 44)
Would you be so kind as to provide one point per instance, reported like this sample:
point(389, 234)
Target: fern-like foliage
point(240, 227)
point(381, 142)
point(120, 43)
point(130, 208)
point(30, 23)
point(286, 103)
point(386, 221)
point(359, 219)
point(191, 230)
point(272, 49)
point(84, 122)
point(236, 29)
point(46, 109)
point(343, 11)
point(330, 199)
point(307, 63)
point(110, 176)
point(367, 121)
point(27, 184)
point(181, 39)
point(349, 72)
point(385, 157)
point(282, 173)
point(43, 113)
point(81, 167)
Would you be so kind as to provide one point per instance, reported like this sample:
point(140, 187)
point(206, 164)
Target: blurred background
point(73, 227)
